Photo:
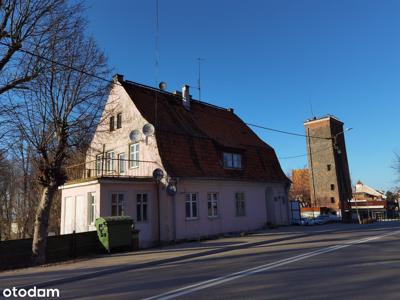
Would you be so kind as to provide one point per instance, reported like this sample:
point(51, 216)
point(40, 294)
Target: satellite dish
point(158, 174)
point(162, 85)
point(148, 129)
point(135, 136)
point(171, 189)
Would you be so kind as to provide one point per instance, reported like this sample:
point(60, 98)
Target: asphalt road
point(321, 262)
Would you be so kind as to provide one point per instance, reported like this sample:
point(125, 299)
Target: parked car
point(307, 221)
point(334, 218)
point(322, 219)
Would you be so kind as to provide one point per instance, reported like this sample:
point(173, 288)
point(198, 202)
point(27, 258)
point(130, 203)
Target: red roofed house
point(225, 177)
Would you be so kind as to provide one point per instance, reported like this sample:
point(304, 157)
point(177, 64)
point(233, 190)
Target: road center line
point(233, 276)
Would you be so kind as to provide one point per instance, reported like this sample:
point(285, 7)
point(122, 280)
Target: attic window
point(232, 160)
point(119, 120)
point(112, 128)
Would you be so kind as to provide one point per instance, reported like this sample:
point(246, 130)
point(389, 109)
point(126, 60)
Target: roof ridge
point(173, 94)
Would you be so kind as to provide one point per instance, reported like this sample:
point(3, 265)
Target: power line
point(117, 83)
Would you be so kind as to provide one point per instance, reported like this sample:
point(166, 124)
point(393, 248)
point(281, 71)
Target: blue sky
point(269, 60)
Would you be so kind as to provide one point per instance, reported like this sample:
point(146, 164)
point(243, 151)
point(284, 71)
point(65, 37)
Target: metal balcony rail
point(111, 167)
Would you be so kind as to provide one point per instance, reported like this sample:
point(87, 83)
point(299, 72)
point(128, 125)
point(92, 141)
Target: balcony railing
point(111, 167)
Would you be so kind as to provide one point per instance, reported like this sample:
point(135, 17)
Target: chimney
point(186, 96)
point(118, 78)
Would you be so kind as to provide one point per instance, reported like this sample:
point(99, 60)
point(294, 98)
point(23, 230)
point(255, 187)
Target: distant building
point(369, 203)
point(330, 183)
point(300, 188)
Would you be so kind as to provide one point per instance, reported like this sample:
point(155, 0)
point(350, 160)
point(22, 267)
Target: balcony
point(111, 168)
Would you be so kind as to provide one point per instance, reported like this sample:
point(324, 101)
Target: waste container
point(115, 232)
point(135, 239)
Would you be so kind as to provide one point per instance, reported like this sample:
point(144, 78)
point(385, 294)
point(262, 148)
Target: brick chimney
point(186, 96)
point(118, 78)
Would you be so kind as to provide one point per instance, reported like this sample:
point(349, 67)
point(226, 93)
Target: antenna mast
point(199, 60)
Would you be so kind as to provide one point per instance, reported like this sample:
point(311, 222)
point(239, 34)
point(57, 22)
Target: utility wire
point(117, 83)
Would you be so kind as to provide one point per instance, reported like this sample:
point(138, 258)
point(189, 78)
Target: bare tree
point(25, 25)
point(64, 102)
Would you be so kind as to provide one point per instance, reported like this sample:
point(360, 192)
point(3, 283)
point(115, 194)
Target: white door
point(69, 218)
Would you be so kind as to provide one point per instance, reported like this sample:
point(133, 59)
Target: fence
point(17, 253)
point(111, 167)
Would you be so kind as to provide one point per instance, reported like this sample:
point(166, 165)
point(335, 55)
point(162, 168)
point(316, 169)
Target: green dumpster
point(115, 232)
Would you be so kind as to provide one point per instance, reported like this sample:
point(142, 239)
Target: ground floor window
point(240, 205)
point(91, 208)
point(141, 207)
point(212, 204)
point(191, 206)
point(117, 204)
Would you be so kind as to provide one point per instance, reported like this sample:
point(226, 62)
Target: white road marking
point(233, 276)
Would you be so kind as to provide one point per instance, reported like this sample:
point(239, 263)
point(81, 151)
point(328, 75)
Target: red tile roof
point(191, 142)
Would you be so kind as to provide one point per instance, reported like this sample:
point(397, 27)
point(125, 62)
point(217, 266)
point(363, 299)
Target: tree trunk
point(41, 225)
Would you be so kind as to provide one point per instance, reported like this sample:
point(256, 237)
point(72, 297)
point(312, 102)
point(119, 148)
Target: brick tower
point(330, 183)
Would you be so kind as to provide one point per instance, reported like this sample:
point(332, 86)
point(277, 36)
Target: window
point(328, 167)
point(332, 199)
point(117, 204)
point(212, 200)
point(121, 163)
point(141, 207)
point(134, 155)
point(240, 205)
point(99, 164)
point(91, 208)
point(232, 160)
point(191, 206)
point(119, 120)
point(332, 187)
point(112, 123)
point(110, 157)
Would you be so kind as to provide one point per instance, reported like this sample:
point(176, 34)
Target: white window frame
point(110, 161)
point(212, 203)
point(99, 164)
point(134, 151)
point(91, 208)
point(140, 207)
point(243, 200)
point(119, 204)
point(189, 200)
point(121, 163)
point(232, 160)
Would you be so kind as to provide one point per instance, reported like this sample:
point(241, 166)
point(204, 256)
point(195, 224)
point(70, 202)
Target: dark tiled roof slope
point(191, 142)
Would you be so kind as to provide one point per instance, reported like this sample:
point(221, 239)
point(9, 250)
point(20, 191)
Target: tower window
point(328, 167)
point(332, 187)
point(332, 199)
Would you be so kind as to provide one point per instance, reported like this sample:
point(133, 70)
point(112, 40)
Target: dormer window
point(232, 160)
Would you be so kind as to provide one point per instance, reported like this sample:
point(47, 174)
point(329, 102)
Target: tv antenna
point(199, 60)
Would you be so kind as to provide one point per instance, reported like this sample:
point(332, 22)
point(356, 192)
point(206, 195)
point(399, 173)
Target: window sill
point(213, 217)
point(192, 219)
